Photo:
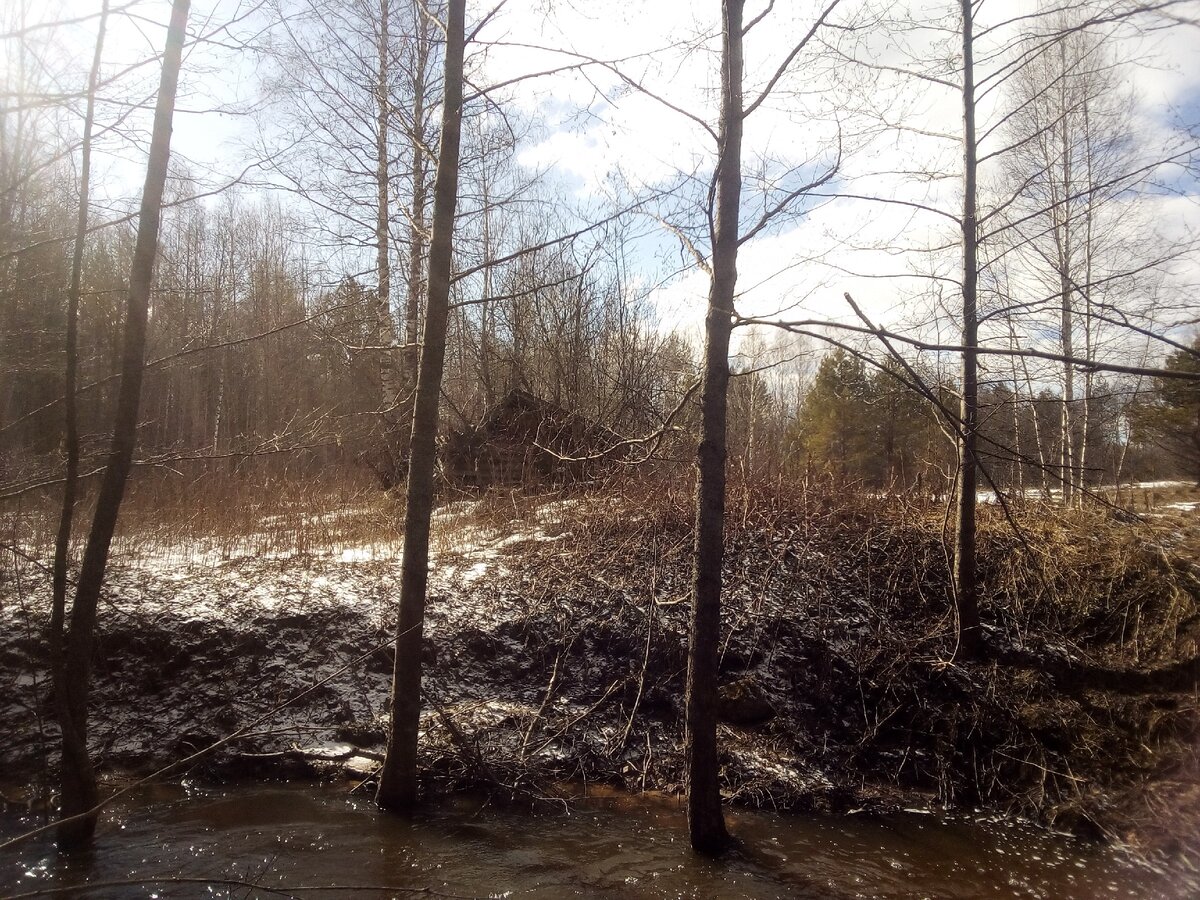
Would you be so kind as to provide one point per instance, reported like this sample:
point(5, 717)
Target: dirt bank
point(556, 650)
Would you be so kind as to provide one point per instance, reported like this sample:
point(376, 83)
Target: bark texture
point(416, 231)
point(391, 467)
point(706, 824)
point(79, 790)
point(966, 587)
point(398, 779)
point(62, 544)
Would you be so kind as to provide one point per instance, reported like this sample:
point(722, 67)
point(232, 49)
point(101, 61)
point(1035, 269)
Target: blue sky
point(645, 138)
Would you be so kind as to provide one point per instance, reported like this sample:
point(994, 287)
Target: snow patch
point(328, 750)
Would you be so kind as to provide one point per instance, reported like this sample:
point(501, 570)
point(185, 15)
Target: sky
point(803, 268)
point(594, 130)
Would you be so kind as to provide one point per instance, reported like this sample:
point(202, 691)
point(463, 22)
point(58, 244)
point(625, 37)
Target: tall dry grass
point(215, 517)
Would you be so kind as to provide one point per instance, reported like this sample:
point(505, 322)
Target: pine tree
point(1171, 418)
point(834, 428)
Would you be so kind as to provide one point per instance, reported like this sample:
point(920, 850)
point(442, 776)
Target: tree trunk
point(79, 790)
point(1089, 343)
point(398, 779)
point(62, 544)
point(1035, 420)
point(966, 588)
point(706, 823)
point(1062, 237)
point(416, 232)
point(486, 324)
point(1067, 422)
point(390, 379)
point(1018, 467)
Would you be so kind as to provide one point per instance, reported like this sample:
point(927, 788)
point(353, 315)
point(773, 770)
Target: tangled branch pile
point(839, 686)
point(556, 647)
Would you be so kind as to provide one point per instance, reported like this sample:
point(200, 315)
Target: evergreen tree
point(834, 429)
point(1171, 418)
point(907, 437)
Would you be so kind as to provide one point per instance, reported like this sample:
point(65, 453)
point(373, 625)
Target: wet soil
point(561, 657)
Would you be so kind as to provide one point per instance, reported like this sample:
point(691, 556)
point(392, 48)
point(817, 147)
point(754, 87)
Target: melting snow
point(328, 750)
point(212, 579)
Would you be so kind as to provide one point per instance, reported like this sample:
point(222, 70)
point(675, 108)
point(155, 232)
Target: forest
point(766, 436)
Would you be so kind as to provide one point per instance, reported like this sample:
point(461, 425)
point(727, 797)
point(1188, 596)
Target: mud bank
point(555, 651)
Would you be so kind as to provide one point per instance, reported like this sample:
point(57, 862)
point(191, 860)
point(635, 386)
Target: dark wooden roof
point(525, 438)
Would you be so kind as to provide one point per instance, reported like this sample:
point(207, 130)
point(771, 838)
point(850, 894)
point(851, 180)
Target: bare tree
point(705, 820)
point(79, 789)
point(966, 583)
point(1085, 258)
point(389, 360)
point(62, 545)
point(31, 222)
point(398, 778)
point(354, 78)
point(1014, 47)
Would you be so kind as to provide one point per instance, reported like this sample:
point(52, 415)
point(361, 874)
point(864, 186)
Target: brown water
point(284, 838)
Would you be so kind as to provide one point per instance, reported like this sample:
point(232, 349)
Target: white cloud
point(591, 127)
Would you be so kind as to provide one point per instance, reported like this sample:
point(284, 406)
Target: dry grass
point(217, 517)
point(837, 610)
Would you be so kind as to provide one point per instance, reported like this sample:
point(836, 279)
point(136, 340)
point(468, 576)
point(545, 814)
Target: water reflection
point(289, 839)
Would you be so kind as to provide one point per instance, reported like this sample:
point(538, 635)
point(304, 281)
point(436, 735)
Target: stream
point(283, 838)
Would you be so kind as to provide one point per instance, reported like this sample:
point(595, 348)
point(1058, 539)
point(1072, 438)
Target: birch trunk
point(966, 588)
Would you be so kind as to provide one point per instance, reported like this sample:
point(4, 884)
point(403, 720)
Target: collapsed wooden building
point(527, 440)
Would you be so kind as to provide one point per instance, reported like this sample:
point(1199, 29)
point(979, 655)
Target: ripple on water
point(284, 836)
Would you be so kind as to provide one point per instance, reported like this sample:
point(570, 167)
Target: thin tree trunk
point(966, 588)
point(1120, 467)
point(398, 779)
point(486, 376)
point(1089, 348)
point(1035, 418)
point(416, 232)
point(1018, 470)
point(1062, 238)
point(706, 823)
point(1067, 425)
point(389, 377)
point(62, 544)
point(750, 436)
point(79, 790)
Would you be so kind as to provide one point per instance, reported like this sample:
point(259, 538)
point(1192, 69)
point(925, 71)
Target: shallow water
point(285, 837)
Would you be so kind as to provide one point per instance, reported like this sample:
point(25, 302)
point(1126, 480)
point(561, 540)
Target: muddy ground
point(556, 646)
